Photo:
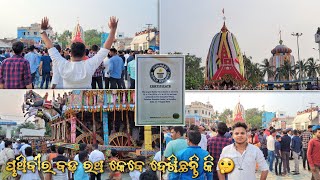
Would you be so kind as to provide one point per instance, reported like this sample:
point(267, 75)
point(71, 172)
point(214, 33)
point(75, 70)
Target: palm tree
point(285, 71)
point(266, 68)
point(300, 66)
point(312, 68)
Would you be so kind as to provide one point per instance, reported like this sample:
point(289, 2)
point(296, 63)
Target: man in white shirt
point(204, 141)
point(244, 155)
point(1, 145)
point(24, 146)
point(77, 74)
point(57, 81)
point(96, 156)
point(271, 147)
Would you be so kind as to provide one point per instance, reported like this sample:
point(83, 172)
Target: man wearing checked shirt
point(15, 71)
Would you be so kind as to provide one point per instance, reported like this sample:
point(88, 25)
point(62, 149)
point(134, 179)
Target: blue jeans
point(45, 78)
point(270, 159)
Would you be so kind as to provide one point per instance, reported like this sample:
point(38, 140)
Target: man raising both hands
point(77, 74)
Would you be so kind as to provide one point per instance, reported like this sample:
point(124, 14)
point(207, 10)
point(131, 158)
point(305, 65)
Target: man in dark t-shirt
point(45, 68)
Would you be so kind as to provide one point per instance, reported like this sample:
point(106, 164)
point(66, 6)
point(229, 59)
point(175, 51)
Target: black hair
point(272, 131)
point(295, 132)
point(148, 175)
point(194, 128)
point(83, 155)
point(270, 128)
point(31, 48)
point(150, 49)
point(141, 158)
point(179, 129)
point(310, 126)
point(222, 128)
point(128, 51)
point(95, 146)
point(94, 48)
point(114, 50)
point(58, 47)
point(240, 124)
point(194, 137)
point(82, 146)
point(28, 151)
point(278, 136)
point(60, 150)
point(87, 52)
point(7, 143)
point(78, 49)
point(114, 152)
point(53, 148)
point(46, 51)
point(17, 47)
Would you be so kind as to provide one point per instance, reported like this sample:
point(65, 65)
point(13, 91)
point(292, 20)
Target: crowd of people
point(10, 149)
point(267, 150)
point(77, 67)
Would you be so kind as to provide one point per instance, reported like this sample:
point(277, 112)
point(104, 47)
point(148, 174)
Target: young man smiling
point(244, 155)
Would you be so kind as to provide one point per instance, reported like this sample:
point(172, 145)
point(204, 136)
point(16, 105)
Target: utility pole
point(148, 37)
point(298, 35)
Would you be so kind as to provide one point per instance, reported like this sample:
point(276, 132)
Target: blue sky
point(63, 14)
point(188, 26)
point(290, 102)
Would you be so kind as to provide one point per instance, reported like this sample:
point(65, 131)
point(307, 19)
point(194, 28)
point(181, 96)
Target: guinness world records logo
point(160, 73)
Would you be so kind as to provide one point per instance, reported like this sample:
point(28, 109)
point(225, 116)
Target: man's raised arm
point(44, 36)
point(113, 23)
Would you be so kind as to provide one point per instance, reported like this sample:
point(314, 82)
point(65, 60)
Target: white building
point(282, 120)
point(205, 112)
point(305, 118)
point(143, 40)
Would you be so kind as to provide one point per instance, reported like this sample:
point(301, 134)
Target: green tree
point(285, 71)
point(254, 117)
point(225, 115)
point(194, 73)
point(48, 130)
point(300, 66)
point(312, 68)
point(92, 37)
point(267, 69)
point(27, 125)
point(253, 73)
point(64, 38)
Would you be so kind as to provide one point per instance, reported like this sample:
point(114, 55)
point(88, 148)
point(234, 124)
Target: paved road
point(304, 174)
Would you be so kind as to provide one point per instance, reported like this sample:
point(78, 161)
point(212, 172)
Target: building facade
point(199, 112)
point(266, 118)
point(145, 39)
point(32, 33)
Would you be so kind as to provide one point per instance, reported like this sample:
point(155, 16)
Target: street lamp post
point(298, 35)
point(311, 111)
point(317, 50)
point(148, 37)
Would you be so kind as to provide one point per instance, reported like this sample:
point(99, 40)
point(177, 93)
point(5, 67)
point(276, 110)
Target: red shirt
point(313, 153)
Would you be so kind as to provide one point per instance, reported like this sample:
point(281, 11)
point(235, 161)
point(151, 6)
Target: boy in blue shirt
point(193, 139)
point(80, 174)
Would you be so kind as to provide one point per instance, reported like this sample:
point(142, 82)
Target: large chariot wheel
point(88, 139)
point(121, 139)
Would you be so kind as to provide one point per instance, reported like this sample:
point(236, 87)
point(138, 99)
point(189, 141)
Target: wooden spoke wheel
point(88, 139)
point(121, 139)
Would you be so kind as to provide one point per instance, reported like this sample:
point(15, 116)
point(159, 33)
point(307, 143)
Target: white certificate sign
point(160, 86)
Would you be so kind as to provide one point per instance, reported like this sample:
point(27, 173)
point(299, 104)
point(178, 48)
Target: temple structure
point(77, 34)
point(239, 113)
point(224, 65)
point(280, 54)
